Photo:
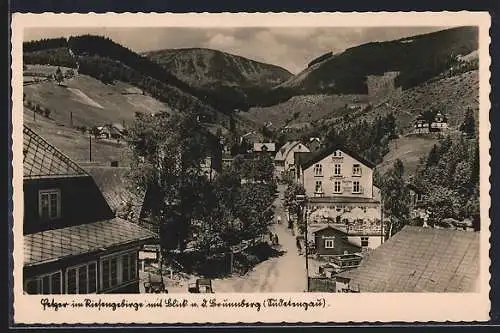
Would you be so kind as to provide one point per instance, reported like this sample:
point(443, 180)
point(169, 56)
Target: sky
point(290, 48)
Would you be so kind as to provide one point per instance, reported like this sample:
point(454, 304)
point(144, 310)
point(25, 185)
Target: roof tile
point(71, 241)
point(421, 260)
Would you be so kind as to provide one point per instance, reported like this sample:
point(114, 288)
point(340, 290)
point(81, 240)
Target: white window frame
point(356, 170)
point(339, 183)
point(320, 186)
point(119, 268)
point(318, 170)
point(76, 268)
point(367, 239)
point(330, 242)
point(58, 208)
point(354, 187)
point(39, 282)
point(337, 169)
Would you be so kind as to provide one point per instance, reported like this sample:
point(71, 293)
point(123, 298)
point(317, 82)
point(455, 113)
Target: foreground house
point(341, 196)
point(418, 259)
point(73, 241)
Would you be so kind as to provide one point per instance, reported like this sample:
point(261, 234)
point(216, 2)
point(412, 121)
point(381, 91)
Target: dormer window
point(49, 204)
point(337, 153)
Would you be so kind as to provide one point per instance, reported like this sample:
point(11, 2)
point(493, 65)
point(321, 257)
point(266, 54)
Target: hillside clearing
point(91, 102)
point(74, 143)
point(409, 149)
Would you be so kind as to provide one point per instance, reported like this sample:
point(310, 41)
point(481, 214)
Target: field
point(409, 149)
point(74, 143)
point(91, 102)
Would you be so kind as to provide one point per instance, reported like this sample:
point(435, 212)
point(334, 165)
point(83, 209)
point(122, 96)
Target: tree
point(166, 163)
point(396, 197)
point(59, 77)
point(468, 126)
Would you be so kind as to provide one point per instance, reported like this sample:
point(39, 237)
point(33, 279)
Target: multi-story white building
point(341, 195)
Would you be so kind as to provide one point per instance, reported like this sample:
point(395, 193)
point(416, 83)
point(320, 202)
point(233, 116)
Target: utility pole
point(90, 148)
point(302, 199)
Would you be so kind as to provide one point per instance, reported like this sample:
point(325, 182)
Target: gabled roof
point(42, 160)
point(306, 162)
point(50, 245)
point(419, 259)
point(113, 183)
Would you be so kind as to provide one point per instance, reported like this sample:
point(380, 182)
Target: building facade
point(341, 195)
point(285, 157)
point(73, 241)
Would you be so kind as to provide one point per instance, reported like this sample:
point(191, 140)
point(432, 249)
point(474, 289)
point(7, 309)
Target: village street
point(285, 273)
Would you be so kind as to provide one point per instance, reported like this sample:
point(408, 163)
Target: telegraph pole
point(90, 147)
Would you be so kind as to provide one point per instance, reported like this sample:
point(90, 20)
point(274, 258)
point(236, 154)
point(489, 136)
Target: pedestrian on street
point(299, 247)
point(276, 241)
point(279, 219)
point(271, 236)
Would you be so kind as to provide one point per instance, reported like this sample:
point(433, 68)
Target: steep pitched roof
point(57, 244)
point(112, 181)
point(420, 259)
point(321, 154)
point(42, 160)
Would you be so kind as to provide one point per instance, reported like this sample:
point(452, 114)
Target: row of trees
point(167, 155)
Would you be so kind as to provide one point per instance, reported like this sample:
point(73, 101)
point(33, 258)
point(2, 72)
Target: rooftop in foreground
point(57, 244)
point(420, 259)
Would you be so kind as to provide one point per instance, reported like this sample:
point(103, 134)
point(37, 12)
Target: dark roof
point(42, 160)
point(56, 244)
point(419, 259)
point(113, 183)
point(325, 152)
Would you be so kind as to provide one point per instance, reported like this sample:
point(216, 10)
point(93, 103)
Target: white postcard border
point(337, 307)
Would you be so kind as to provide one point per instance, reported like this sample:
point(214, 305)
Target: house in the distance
point(284, 159)
point(430, 123)
point(264, 148)
point(73, 241)
point(341, 196)
point(314, 144)
point(419, 260)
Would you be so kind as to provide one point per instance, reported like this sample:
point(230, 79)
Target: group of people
point(273, 238)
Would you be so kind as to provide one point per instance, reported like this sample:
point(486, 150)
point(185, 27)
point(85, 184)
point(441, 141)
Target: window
point(337, 170)
point(355, 187)
point(364, 241)
point(82, 279)
point(329, 244)
point(337, 154)
point(118, 269)
point(318, 170)
point(44, 284)
point(356, 170)
point(337, 187)
point(319, 187)
point(49, 204)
